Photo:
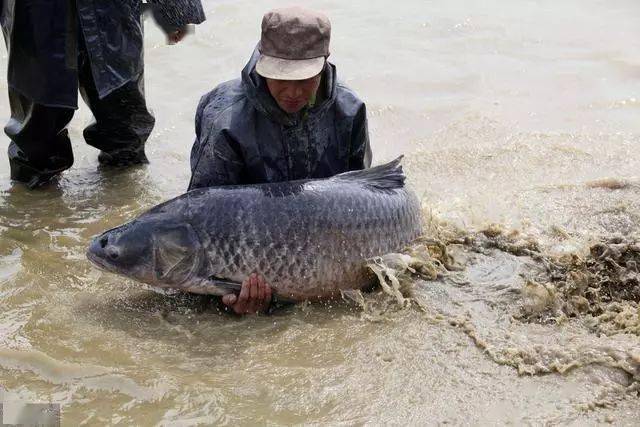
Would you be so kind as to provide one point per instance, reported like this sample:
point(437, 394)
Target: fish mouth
point(100, 262)
point(96, 255)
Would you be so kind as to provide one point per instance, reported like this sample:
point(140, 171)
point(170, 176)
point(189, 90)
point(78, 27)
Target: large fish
point(310, 239)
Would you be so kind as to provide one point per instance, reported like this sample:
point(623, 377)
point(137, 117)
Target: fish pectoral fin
point(223, 286)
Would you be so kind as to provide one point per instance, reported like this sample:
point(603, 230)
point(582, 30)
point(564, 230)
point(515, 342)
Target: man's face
point(293, 95)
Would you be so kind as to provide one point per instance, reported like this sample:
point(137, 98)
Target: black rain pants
point(40, 147)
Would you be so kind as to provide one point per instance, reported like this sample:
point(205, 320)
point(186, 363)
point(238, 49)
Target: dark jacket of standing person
point(112, 33)
point(59, 46)
point(243, 137)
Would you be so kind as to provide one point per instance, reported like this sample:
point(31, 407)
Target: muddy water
point(522, 113)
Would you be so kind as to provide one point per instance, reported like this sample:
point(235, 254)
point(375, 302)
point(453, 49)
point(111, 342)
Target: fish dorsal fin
point(388, 176)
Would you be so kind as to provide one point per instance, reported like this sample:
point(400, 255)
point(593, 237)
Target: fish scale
point(309, 239)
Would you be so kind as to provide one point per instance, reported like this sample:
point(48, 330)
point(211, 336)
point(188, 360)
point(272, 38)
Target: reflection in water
point(516, 113)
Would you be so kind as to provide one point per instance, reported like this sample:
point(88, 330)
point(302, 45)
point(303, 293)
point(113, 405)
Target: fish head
point(154, 251)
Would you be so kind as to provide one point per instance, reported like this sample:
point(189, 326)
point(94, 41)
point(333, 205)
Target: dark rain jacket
point(243, 137)
point(43, 44)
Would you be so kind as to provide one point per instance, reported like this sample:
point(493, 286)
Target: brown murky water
point(523, 114)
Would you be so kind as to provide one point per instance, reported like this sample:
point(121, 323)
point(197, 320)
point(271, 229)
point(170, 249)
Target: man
point(286, 118)
point(59, 46)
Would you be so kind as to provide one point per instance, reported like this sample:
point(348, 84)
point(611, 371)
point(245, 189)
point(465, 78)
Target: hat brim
point(289, 69)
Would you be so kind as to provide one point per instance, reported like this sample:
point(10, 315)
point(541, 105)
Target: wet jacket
point(243, 137)
point(42, 41)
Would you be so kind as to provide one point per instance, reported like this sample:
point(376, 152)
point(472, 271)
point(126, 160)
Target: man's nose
point(294, 90)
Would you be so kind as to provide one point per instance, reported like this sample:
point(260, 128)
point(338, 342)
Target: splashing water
point(594, 299)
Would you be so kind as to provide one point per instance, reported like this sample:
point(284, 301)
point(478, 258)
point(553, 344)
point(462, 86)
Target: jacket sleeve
point(214, 161)
point(360, 153)
point(174, 14)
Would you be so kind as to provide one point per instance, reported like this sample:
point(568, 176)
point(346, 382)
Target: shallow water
point(521, 113)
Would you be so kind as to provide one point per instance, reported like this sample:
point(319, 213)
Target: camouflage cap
point(294, 44)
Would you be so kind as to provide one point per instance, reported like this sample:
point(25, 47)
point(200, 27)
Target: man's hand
point(177, 35)
point(255, 296)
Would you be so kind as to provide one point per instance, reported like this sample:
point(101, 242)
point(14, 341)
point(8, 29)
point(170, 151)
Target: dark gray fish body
point(310, 239)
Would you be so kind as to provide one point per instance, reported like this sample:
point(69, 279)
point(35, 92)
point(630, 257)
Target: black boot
point(123, 157)
point(31, 175)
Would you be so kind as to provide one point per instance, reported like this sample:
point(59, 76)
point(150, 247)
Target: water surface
point(520, 113)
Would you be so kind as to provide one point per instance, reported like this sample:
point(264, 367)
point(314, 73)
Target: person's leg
point(122, 122)
point(40, 147)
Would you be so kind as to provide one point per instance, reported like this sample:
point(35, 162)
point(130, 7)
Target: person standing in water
point(286, 118)
point(59, 46)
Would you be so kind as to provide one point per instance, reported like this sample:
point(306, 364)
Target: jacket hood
point(258, 94)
